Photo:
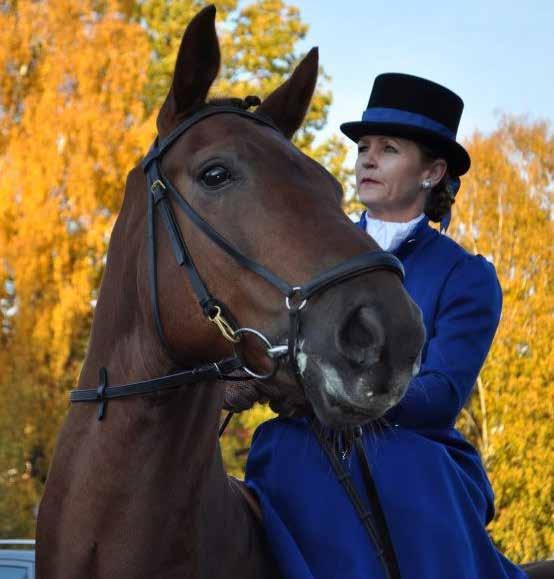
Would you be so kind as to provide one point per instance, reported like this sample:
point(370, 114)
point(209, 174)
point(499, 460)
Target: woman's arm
point(467, 316)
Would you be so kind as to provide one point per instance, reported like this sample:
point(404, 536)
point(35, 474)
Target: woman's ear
point(435, 171)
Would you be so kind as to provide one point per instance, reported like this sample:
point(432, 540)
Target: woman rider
point(431, 483)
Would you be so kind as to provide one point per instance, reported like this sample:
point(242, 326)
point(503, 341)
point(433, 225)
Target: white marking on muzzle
point(332, 382)
point(301, 359)
point(302, 362)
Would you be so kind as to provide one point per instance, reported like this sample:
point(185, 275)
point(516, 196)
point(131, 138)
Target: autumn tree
point(71, 74)
point(504, 212)
point(80, 85)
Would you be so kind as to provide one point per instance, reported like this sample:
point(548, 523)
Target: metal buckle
point(224, 326)
point(295, 295)
point(158, 190)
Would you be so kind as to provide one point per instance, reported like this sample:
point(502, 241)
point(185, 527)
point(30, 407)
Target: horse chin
point(341, 401)
point(341, 414)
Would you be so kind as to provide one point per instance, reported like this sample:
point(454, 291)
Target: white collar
point(390, 234)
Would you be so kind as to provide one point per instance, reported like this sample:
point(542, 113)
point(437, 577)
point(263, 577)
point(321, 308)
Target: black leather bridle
point(296, 297)
point(160, 192)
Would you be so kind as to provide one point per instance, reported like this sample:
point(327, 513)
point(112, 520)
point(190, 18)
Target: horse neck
point(123, 337)
point(159, 454)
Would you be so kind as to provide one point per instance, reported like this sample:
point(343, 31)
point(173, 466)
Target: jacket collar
point(421, 232)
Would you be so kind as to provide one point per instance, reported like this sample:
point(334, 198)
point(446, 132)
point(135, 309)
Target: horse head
point(357, 339)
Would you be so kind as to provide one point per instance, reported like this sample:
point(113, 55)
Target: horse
point(137, 487)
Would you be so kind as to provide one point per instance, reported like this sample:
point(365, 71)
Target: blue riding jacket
point(432, 485)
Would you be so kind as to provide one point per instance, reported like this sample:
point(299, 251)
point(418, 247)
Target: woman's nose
point(368, 161)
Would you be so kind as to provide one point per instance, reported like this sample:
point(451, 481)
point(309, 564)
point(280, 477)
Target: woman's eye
point(362, 149)
point(391, 149)
point(215, 176)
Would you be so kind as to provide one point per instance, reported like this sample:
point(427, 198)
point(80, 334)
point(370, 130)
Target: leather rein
point(160, 194)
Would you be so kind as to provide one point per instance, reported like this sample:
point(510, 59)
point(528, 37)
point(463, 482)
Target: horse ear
point(287, 105)
point(195, 70)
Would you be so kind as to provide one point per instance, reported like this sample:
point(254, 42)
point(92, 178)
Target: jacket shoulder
point(455, 255)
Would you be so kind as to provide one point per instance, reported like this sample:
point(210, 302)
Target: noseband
point(160, 191)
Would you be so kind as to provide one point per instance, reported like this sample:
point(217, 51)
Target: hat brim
point(453, 153)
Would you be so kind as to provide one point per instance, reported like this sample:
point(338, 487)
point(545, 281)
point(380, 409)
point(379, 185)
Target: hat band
point(399, 117)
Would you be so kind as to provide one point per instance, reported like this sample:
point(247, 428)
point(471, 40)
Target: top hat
point(411, 107)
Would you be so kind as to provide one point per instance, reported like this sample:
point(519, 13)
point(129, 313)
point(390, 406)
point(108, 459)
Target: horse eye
point(215, 176)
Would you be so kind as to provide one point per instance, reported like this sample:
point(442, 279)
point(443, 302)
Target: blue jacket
point(432, 485)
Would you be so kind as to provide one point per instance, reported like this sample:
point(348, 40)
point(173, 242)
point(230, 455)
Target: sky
point(497, 55)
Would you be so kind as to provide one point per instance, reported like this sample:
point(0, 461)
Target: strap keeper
point(209, 306)
point(158, 191)
point(152, 154)
point(100, 393)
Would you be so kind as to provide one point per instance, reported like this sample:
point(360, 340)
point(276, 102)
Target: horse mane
point(243, 104)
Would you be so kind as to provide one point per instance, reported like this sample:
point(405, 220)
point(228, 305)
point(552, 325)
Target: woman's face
point(389, 176)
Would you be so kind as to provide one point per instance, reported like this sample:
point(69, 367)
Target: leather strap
point(378, 514)
point(248, 496)
point(373, 520)
point(160, 147)
point(172, 381)
point(357, 265)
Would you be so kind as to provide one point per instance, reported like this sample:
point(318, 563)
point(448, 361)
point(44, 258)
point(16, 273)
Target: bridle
point(160, 192)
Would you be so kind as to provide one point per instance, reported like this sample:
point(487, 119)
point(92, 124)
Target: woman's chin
point(371, 196)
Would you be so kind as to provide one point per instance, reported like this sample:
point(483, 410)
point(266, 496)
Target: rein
point(373, 520)
point(160, 190)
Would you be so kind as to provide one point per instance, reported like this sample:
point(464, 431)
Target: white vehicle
point(17, 559)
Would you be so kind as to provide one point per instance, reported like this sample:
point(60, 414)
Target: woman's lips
point(369, 180)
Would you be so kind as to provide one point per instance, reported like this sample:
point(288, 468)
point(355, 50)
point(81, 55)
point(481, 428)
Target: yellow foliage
point(80, 86)
point(75, 129)
point(504, 212)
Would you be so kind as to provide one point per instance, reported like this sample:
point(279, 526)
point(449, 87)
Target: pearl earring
point(427, 184)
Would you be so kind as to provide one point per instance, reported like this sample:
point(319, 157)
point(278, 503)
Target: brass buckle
point(224, 326)
point(158, 190)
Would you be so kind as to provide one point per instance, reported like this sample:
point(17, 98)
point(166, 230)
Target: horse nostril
point(361, 337)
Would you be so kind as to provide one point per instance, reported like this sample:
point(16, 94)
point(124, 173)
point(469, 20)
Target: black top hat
point(414, 108)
